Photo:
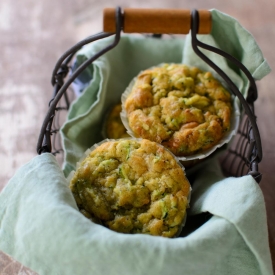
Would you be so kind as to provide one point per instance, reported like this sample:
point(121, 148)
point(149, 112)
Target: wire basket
point(244, 153)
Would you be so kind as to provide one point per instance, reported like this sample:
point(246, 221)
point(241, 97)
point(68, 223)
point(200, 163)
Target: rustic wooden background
point(35, 33)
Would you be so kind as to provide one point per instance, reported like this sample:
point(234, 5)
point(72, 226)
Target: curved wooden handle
point(159, 21)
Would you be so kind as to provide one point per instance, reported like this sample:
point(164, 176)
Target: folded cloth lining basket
point(42, 228)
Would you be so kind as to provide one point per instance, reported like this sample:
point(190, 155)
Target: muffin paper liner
point(89, 150)
point(234, 124)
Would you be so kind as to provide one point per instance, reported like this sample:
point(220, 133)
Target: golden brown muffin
point(114, 126)
point(132, 186)
point(183, 108)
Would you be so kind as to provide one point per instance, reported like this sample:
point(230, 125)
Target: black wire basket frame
point(241, 158)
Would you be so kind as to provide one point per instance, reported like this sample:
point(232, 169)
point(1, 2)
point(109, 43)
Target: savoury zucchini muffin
point(183, 108)
point(132, 186)
point(113, 125)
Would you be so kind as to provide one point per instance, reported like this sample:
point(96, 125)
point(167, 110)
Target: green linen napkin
point(112, 73)
point(42, 228)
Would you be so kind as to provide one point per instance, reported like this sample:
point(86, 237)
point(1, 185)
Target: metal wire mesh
point(60, 117)
point(239, 159)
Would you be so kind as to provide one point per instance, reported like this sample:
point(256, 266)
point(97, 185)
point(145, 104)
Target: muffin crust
point(114, 126)
point(183, 108)
point(132, 186)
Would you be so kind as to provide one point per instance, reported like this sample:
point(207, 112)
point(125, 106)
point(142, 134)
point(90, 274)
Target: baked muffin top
point(183, 108)
point(132, 186)
point(114, 126)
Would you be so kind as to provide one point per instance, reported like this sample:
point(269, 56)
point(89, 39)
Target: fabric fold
point(42, 228)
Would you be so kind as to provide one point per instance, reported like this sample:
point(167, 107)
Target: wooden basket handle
point(158, 21)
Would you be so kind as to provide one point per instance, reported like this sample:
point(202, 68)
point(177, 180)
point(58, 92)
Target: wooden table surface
point(33, 38)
